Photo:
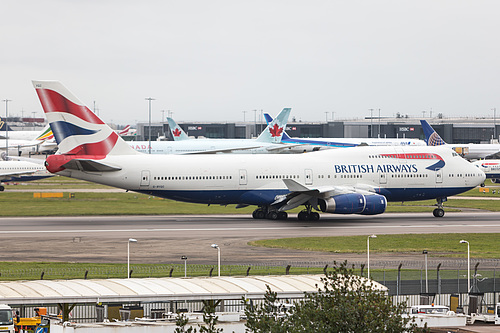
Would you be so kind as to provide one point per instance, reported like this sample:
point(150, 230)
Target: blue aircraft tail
point(431, 136)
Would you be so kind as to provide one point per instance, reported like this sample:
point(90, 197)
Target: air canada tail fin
point(431, 136)
point(275, 129)
point(177, 132)
point(78, 131)
point(269, 119)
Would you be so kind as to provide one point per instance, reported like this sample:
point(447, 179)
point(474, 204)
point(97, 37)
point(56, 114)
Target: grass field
point(438, 245)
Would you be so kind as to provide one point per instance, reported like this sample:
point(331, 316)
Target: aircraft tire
point(438, 212)
point(258, 214)
point(314, 216)
point(303, 216)
point(282, 215)
point(272, 215)
point(2, 188)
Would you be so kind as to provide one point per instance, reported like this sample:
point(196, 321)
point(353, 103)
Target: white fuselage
point(241, 146)
point(473, 151)
point(491, 168)
point(22, 170)
point(412, 173)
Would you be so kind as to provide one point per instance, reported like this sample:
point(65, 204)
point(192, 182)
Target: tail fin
point(269, 119)
point(124, 131)
point(78, 131)
point(177, 132)
point(3, 126)
point(274, 131)
point(45, 134)
point(431, 136)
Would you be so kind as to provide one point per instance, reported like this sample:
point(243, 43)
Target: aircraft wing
point(221, 150)
point(300, 194)
point(89, 166)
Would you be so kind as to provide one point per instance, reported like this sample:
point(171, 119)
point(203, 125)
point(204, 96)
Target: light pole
point(130, 240)
point(368, 251)
point(468, 264)
point(371, 123)
point(424, 252)
point(215, 246)
point(6, 127)
point(149, 135)
point(495, 123)
point(379, 123)
point(185, 265)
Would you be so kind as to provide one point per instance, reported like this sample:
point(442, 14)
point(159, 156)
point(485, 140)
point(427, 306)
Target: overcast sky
point(212, 60)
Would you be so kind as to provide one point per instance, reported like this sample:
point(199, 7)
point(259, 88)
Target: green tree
point(345, 303)
point(209, 319)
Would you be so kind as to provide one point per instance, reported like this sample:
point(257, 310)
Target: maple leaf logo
point(176, 132)
point(276, 130)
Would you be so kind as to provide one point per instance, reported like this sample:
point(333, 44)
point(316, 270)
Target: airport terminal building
point(452, 130)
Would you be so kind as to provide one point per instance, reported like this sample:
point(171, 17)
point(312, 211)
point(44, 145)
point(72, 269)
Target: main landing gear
point(264, 213)
point(439, 212)
point(308, 215)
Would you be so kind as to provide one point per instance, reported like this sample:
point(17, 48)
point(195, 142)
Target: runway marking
point(245, 228)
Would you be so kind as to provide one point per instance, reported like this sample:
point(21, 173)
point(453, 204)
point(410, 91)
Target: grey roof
point(157, 289)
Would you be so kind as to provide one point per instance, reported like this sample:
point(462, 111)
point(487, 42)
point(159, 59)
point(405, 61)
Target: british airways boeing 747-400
point(343, 181)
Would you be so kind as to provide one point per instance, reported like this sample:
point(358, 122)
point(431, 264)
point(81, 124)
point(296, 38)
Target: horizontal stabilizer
point(89, 166)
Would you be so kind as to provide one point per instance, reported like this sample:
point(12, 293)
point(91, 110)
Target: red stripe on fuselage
point(54, 102)
point(415, 156)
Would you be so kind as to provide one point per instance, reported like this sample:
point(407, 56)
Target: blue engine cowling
point(354, 203)
point(375, 204)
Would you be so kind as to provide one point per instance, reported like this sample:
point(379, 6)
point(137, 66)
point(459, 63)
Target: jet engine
point(354, 203)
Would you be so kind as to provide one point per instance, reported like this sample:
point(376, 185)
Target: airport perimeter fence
point(401, 277)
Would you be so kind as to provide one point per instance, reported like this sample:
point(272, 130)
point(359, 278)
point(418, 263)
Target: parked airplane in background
point(269, 141)
point(491, 168)
point(22, 171)
point(18, 135)
point(322, 143)
point(342, 181)
point(470, 151)
point(43, 143)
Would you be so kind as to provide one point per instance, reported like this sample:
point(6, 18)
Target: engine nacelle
point(375, 204)
point(351, 203)
point(354, 203)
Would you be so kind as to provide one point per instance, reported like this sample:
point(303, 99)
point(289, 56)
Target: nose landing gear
point(439, 211)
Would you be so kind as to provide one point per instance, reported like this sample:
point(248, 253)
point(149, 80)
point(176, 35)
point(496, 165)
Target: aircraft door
point(145, 175)
point(439, 176)
point(243, 177)
point(382, 178)
point(309, 176)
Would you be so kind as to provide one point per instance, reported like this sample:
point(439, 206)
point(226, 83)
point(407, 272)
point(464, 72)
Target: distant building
point(456, 130)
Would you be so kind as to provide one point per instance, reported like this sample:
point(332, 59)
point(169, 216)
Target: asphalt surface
point(164, 239)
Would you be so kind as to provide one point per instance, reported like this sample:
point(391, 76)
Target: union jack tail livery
point(177, 132)
point(275, 129)
point(431, 136)
point(124, 131)
point(78, 131)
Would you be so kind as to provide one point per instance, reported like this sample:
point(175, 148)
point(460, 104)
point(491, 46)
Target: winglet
point(431, 136)
point(274, 131)
point(177, 132)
